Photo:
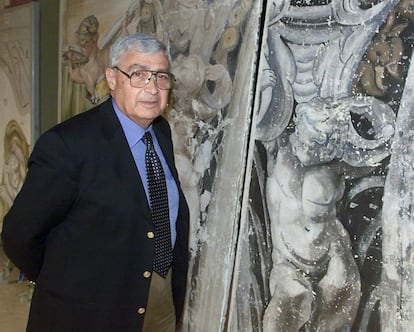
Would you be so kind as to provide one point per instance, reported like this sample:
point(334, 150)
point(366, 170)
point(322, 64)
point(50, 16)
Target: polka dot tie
point(157, 187)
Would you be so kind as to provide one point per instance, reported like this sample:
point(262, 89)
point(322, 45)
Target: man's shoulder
point(84, 128)
point(88, 121)
point(100, 111)
point(161, 124)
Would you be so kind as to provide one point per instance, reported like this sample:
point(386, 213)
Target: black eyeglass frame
point(148, 78)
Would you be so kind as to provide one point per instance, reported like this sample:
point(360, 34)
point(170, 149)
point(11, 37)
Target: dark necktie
point(157, 187)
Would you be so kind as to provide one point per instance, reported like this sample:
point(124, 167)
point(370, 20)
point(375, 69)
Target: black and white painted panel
point(325, 239)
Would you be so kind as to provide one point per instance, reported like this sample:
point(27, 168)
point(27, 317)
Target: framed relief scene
point(18, 131)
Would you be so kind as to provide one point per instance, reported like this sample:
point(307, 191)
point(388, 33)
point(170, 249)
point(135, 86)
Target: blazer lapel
point(121, 157)
point(163, 133)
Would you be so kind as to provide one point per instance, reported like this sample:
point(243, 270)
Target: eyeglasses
point(140, 78)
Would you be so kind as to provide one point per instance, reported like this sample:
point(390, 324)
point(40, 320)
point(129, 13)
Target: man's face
point(141, 105)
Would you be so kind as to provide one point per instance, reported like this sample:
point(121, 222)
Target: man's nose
point(151, 84)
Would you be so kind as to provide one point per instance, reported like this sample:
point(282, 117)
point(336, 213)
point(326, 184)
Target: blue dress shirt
point(134, 134)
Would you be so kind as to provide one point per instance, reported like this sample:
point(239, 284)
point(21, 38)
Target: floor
point(13, 307)
point(14, 303)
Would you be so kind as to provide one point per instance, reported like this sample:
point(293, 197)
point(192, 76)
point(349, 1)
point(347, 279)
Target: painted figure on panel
point(16, 153)
point(87, 65)
point(382, 69)
point(314, 282)
point(145, 16)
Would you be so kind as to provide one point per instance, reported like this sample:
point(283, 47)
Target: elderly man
point(101, 223)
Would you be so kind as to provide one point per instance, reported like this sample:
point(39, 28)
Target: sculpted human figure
point(145, 16)
point(88, 66)
point(314, 281)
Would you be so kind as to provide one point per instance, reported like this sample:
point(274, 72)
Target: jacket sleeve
point(43, 202)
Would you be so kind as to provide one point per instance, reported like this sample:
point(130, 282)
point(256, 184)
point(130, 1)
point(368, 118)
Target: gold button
point(141, 311)
point(147, 274)
point(150, 235)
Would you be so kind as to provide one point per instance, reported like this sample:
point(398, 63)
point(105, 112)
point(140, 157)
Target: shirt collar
point(133, 131)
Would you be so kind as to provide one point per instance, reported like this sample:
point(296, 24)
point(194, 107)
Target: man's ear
point(110, 78)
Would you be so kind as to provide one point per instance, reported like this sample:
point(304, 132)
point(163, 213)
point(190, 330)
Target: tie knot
point(147, 138)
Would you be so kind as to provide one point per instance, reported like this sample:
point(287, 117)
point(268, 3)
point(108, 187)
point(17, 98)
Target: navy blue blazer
point(79, 227)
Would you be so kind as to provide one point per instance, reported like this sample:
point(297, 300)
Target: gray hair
point(138, 42)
